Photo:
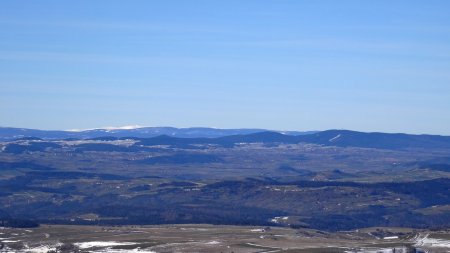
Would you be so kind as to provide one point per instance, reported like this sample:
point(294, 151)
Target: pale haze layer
point(287, 65)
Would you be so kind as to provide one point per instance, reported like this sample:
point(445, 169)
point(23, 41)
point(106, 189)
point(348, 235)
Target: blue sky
point(287, 65)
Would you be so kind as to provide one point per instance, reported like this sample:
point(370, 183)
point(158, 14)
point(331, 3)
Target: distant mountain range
point(340, 138)
point(186, 137)
point(11, 133)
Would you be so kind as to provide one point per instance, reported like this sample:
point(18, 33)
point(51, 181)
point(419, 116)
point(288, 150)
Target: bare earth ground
point(211, 238)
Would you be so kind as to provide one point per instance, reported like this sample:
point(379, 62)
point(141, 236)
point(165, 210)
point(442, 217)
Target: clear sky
point(279, 64)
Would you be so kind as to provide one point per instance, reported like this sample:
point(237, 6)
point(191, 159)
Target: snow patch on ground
point(335, 138)
point(108, 128)
point(86, 245)
point(42, 248)
point(278, 219)
point(426, 241)
point(212, 243)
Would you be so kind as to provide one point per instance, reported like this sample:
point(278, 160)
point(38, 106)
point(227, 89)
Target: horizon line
point(133, 127)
